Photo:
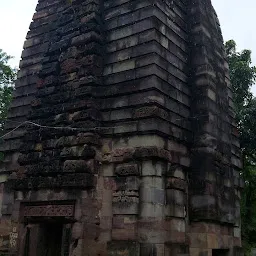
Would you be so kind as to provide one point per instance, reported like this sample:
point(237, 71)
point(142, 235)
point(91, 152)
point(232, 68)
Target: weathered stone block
point(128, 206)
point(152, 195)
point(176, 183)
point(152, 236)
point(200, 252)
point(77, 230)
point(124, 234)
point(175, 211)
point(127, 183)
point(175, 197)
point(127, 170)
point(64, 181)
point(79, 166)
point(126, 248)
point(198, 240)
point(151, 210)
point(151, 249)
point(153, 168)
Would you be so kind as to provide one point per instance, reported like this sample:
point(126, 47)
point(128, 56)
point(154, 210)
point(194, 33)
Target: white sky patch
point(237, 20)
point(15, 17)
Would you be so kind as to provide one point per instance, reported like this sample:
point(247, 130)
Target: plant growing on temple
point(243, 76)
point(7, 77)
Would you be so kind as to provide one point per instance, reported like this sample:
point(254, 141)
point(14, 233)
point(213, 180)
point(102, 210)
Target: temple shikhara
point(120, 139)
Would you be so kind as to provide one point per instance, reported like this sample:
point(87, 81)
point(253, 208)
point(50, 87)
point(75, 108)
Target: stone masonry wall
point(35, 46)
point(215, 156)
point(58, 164)
point(131, 124)
point(145, 74)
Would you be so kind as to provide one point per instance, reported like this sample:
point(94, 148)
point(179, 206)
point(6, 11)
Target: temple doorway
point(51, 240)
point(47, 239)
point(46, 228)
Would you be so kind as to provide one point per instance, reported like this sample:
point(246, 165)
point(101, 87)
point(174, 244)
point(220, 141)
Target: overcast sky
point(237, 18)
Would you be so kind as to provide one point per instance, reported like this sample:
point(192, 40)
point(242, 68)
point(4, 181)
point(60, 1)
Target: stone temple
point(121, 139)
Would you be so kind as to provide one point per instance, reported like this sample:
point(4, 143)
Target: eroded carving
point(150, 111)
point(49, 210)
point(176, 183)
point(70, 180)
point(127, 170)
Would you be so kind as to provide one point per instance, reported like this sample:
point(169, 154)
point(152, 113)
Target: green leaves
point(5, 100)
point(247, 127)
point(7, 77)
point(7, 74)
point(243, 76)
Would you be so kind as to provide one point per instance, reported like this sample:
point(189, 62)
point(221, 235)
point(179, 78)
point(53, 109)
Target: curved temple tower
point(128, 144)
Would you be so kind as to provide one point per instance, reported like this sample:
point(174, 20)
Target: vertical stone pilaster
point(152, 231)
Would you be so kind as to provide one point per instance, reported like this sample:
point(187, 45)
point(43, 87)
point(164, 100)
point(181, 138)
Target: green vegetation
point(7, 77)
point(243, 75)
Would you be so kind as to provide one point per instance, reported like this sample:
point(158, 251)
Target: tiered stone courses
point(130, 138)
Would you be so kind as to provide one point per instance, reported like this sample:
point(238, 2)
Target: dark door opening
point(51, 240)
point(47, 239)
point(220, 252)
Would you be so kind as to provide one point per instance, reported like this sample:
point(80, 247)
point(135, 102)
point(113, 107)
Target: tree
point(7, 77)
point(243, 76)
